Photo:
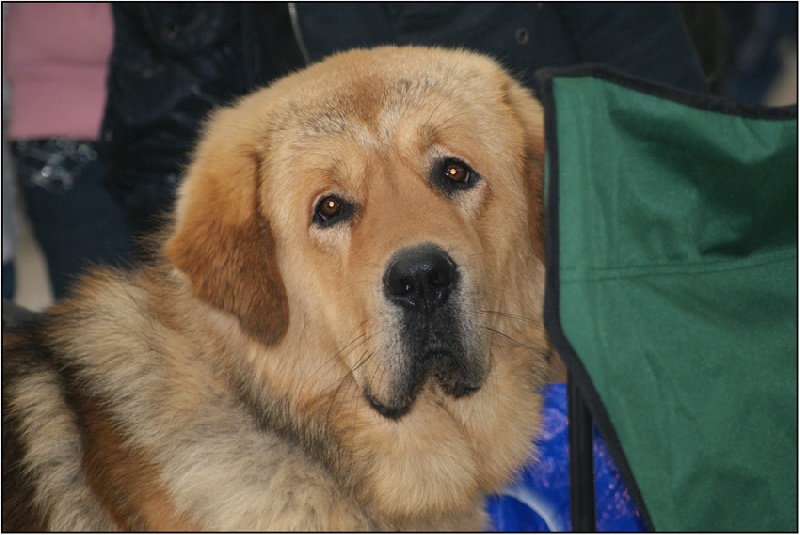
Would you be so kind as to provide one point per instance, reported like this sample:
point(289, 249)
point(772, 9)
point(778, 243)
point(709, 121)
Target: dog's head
point(388, 202)
point(373, 225)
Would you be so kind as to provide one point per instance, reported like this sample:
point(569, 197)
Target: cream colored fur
point(238, 372)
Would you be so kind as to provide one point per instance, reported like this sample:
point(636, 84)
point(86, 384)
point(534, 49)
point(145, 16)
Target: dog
point(341, 330)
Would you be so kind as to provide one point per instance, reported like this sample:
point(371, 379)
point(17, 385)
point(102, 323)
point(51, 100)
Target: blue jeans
point(74, 218)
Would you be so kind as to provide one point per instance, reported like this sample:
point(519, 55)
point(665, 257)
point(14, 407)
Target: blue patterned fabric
point(539, 501)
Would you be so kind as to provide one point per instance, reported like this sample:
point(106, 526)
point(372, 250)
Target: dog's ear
point(221, 243)
point(530, 115)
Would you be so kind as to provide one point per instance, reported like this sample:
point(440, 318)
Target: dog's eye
point(456, 172)
point(452, 175)
point(331, 209)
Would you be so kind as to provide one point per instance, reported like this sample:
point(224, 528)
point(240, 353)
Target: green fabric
point(677, 245)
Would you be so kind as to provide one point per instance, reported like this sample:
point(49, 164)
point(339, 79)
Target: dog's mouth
point(392, 413)
point(455, 374)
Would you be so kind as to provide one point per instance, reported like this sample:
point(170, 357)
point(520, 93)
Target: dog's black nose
point(420, 278)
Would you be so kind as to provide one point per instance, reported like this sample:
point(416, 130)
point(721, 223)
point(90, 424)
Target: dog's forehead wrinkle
point(325, 121)
point(399, 118)
point(390, 106)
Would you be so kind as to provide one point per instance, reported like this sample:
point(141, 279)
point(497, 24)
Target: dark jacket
point(172, 62)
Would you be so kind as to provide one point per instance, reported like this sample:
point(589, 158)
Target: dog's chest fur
point(161, 435)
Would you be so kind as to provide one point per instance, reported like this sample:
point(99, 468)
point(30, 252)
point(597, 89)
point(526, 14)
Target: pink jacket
point(55, 58)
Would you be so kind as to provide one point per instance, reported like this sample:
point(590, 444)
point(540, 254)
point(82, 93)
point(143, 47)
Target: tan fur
point(225, 386)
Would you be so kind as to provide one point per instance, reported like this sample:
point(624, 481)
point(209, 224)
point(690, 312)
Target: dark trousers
point(76, 221)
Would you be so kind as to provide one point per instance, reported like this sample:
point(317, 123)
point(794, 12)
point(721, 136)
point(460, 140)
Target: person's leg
point(74, 218)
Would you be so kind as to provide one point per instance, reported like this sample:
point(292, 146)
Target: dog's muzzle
point(424, 285)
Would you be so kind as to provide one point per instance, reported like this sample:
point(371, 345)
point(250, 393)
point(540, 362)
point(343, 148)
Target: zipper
point(298, 33)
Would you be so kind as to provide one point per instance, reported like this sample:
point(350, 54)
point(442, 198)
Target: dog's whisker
point(363, 360)
point(365, 356)
point(532, 347)
point(323, 370)
point(511, 316)
point(353, 344)
point(339, 399)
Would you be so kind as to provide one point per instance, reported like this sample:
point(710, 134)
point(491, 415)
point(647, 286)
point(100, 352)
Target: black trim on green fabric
point(699, 101)
point(578, 376)
point(582, 498)
point(578, 373)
